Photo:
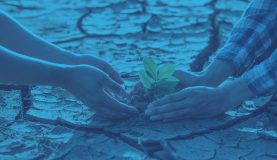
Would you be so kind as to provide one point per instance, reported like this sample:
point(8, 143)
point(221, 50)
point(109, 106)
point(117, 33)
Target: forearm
point(17, 38)
point(22, 70)
point(252, 36)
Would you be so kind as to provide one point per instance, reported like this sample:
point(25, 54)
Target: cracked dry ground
point(48, 123)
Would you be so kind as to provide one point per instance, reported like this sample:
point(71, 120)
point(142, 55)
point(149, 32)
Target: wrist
point(59, 75)
point(204, 79)
point(217, 72)
point(71, 58)
point(236, 91)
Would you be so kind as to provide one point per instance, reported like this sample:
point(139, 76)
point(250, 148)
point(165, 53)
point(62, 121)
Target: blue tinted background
point(184, 32)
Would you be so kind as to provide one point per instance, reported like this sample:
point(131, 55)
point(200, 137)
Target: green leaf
point(145, 80)
point(157, 81)
point(150, 67)
point(166, 70)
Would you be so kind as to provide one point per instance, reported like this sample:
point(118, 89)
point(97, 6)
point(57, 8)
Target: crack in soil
point(25, 98)
point(113, 135)
point(204, 132)
point(79, 23)
point(149, 147)
point(202, 58)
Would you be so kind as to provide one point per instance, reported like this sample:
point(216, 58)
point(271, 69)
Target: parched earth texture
point(43, 122)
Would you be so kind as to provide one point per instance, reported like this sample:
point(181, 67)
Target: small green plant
point(157, 80)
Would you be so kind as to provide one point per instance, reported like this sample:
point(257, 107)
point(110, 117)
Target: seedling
point(157, 81)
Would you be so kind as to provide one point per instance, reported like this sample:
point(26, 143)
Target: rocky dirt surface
point(48, 123)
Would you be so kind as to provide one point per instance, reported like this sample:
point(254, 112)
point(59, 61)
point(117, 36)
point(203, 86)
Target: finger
point(112, 86)
point(170, 115)
point(102, 65)
point(170, 107)
point(138, 85)
point(115, 105)
point(110, 71)
point(187, 78)
point(167, 99)
point(97, 103)
point(136, 89)
point(179, 74)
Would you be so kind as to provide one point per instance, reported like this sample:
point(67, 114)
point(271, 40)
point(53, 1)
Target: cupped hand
point(100, 64)
point(186, 79)
point(95, 89)
point(192, 103)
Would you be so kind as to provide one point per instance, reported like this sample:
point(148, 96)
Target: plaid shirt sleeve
point(253, 34)
point(262, 79)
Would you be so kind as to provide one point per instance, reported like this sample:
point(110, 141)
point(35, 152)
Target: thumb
point(179, 74)
point(112, 86)
point(187, 79)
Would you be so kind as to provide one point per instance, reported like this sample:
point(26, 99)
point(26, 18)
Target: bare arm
point(86, 83)
point(19, 39)
point(22, 70)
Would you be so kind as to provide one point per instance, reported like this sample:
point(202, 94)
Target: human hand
point(199, 102)
point(213, 75)
point(100, 64)
point(186, 79)
point(189, 103)
point(94, 88)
